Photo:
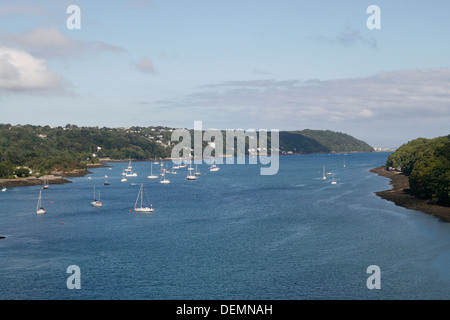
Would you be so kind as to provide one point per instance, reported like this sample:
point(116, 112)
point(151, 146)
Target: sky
point(248, 64)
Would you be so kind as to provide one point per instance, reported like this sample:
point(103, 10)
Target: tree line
point(427, 163)
point(44, 149)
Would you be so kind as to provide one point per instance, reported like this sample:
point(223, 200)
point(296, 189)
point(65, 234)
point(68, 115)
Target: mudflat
point(401, 195)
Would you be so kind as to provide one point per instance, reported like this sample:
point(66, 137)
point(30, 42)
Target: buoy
point(130, 210)
point(52, 202)
point(62, 223)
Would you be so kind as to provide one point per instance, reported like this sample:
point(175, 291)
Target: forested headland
point(427, 164)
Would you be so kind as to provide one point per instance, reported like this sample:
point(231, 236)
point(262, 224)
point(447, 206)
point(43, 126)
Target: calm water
point(231, 234)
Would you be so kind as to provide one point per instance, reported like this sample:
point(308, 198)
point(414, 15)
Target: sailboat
point(46, 186)
point(142, 208)
point(163, 179)
point(213, 167)
point(333, 182)
point(151, 176)
point(4, 189)
point(39, 208)
point(96, 203)
point(323, 174)
point(129, 171)
point(190, 176)
point(130, 167)
point(123, 177)
point(197, 173)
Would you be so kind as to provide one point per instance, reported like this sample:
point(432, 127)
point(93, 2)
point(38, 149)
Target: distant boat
point(197, 173)
point(344, 162)
point(46, 186)
point(323, 174)
point(89, 178)
point(96, 203)
point(333, 182)
point(39, 208)
point(142, 208)
point(190, 176)
point(124, 180)
point(164, 180)
point(152, 176)
point(106, 183)
point(130, 174)
point(130, 167)
point(4, 189)
point(213, 167)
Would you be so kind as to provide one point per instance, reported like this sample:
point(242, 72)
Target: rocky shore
point(400, 194)
point(56, 178)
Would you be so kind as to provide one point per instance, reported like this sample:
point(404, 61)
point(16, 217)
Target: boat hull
point(144, 210)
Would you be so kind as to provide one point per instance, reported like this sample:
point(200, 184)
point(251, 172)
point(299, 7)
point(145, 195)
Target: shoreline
point(55, 178)
point(400, 195)
point(51, 179)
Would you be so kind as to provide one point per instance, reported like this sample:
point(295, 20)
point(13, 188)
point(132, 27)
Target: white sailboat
point(39, 208)
point(128, 172)
point(142, 208)
point(163, 179)
point(190, 176)
point(323, 174)
point(197, 173)
point(130, 167)
point(152, 176)
point(333, 182)
point(213, 167)
point(4, 189)
point(96, 203)
point(46, 185)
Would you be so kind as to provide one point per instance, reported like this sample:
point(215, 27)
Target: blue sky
point(245, 64)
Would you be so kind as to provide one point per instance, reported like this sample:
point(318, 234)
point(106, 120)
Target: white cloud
point(49, 42)
point(407, 95)
point(21, 72)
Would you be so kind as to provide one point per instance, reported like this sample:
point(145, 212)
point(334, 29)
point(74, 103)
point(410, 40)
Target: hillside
point(45, 149)
point(63, 149)
point(298, 143)
point(427, 163)
point(337, 141)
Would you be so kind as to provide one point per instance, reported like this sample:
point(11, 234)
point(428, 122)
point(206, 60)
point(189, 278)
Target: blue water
point(232, 234)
